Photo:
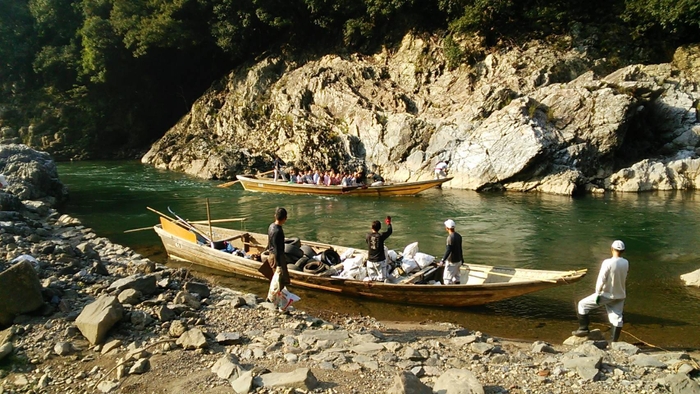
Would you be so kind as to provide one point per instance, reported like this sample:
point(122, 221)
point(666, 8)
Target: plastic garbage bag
point(347, 254)
point(410, 250)
point(409, 265)
point(280, 296)
point(423, 259)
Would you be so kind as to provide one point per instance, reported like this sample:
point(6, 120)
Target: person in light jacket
point(609, 292)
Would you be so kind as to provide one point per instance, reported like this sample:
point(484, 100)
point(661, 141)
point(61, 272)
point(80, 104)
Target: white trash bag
point(280, 297)
point(409, 265)
point(410, 250)
point(423, 259)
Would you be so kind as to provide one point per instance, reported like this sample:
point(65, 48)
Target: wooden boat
point(484, 284)
point(260, 184)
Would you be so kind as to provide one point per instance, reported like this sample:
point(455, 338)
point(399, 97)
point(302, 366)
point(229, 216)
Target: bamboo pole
point(211, 233)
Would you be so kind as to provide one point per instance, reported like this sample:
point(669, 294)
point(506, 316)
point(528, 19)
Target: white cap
point(618, 245)
point(449, 223)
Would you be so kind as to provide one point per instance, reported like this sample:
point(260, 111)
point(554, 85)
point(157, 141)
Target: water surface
point(515, 230)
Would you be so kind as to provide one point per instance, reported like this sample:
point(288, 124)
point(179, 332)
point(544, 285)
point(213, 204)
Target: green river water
point(660, 230)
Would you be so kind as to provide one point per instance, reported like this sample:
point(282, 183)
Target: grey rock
point(244, 383)
point(481, 347)
point(129, 296)
point(192, 339)
point(587, 367)
point(97, 318)
point(682, 384)
point(107, 386)
point(458, 381)
point(368, 348)
point(6, 349)
point(163, 313)
point(301, 378)
point(542, 347)
point(408, 383)
point(590, 350)
point(188, 299)
point(142, 365)
point(336, 337)
point(20, 291)
point(412, 354)
point(463, 341)
point(63, 348)
point(111, 345)
point(229, 338)
point(227, 367)
point(177, 328)
point(197, 288)
point(32, 175)
point(146, 284)
point(141, 319)
point(625, 347)
point(645, 360)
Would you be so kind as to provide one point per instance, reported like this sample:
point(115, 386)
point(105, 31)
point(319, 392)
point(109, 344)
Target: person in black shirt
point(376, 260)
point(452, 260)
point(278, 163)
point(275, 244)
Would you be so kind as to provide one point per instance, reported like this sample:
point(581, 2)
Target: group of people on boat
point(332, 178)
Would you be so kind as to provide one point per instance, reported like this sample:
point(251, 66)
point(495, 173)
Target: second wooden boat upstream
point(482, 284)
point(260, 184)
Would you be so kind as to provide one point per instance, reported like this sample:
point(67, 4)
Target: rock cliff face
point(526, 119)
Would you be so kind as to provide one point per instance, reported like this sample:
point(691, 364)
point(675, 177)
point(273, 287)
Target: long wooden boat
point(484, 284)
point(260, 184)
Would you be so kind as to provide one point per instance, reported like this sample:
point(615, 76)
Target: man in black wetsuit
point(452, 260)
point(376, 260)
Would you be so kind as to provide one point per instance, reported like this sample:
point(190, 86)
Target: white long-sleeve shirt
point(612, 278)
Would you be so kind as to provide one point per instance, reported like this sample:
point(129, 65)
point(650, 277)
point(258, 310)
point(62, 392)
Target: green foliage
point(453, 53)
point(118, 73)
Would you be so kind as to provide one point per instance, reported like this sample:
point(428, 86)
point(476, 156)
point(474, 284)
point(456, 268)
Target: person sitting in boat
point(309, 177)
point(452, 260)
point(326, 180)
point(293, 177)
point(375, 179)
point(441, 169)
point(278, 163)
point(376, 260)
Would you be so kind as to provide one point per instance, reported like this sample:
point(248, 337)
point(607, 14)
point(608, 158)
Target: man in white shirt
point(609, 291)
point(441, 169)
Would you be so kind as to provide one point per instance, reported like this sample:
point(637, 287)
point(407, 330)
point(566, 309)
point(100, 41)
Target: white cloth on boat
point(450, 275)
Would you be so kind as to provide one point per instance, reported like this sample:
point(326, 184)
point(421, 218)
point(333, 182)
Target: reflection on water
point(515, 230)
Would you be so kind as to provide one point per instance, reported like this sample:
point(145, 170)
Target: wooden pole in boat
point(211, 234)
point(194, 222)
point(510, 276)
point(161, 214)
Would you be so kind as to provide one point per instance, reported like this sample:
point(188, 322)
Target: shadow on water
point(512, 230)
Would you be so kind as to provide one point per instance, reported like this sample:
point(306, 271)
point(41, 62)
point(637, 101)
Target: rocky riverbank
point(84, 315)
point(529, 118)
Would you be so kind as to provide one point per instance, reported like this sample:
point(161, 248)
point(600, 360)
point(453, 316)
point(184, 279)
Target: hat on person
point(449, 223)
point(618, 245)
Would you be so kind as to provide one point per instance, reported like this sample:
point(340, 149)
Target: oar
point(231, 183)
point(193, 222)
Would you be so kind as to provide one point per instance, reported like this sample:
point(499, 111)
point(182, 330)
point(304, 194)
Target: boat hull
point(496, 283)
point(398, 189)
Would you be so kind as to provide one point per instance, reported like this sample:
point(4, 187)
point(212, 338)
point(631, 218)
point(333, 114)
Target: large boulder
point(692, 278)
point(31, 175)
point(20, 291)
point(97, 318)
point(301, 378)
point(408, 383)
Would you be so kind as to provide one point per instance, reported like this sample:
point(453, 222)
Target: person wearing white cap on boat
point(452, 260)
point(609, 291)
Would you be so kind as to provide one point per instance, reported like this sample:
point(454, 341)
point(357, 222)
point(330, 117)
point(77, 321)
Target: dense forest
point(105, 78)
